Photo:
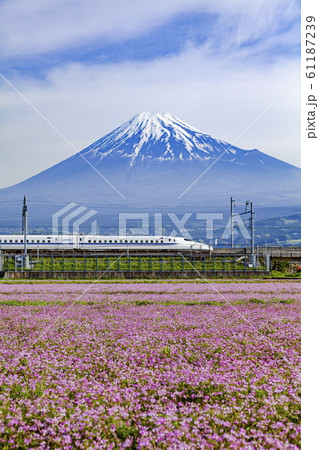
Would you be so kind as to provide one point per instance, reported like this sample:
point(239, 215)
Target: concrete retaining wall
point(82, 275)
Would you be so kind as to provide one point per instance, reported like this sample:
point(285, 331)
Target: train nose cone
point(203, 247)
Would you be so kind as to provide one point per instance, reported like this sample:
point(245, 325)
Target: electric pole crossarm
point(240, 214)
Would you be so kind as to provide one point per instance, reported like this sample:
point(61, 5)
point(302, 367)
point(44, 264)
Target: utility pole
point(248, 210)
point(267, 257)
point(252, 233)
point(252, 228)
point(24, 262)
point(232, 204)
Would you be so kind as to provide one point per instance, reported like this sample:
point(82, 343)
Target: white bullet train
point(103, 243)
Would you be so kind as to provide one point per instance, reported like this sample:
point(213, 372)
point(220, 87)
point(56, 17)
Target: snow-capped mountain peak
point(158, 136)
point(151, 160)
point(159, 122)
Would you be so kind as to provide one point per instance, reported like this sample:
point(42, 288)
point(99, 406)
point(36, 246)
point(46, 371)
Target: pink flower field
point(145, 365)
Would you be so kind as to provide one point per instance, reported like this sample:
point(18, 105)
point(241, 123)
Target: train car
point(103, 243)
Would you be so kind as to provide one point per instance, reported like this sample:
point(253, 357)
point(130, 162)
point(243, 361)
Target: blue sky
point(90, 66)
point(164, 40)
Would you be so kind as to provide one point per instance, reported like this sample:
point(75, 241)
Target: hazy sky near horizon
point(90, 66)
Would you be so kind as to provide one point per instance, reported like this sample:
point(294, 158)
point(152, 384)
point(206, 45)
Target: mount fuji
point(158, 160)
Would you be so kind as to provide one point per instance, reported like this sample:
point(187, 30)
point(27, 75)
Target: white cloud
point(41, 26)
point(220, 87)
point(85, 103)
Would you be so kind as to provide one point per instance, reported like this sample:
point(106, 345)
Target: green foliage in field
point(125, 263)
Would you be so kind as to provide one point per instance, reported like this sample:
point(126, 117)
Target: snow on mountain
point(160, 137)
point(152, 159)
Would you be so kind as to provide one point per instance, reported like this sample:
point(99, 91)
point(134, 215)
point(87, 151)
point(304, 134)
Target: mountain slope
point(160, 137)
point(152, 159)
